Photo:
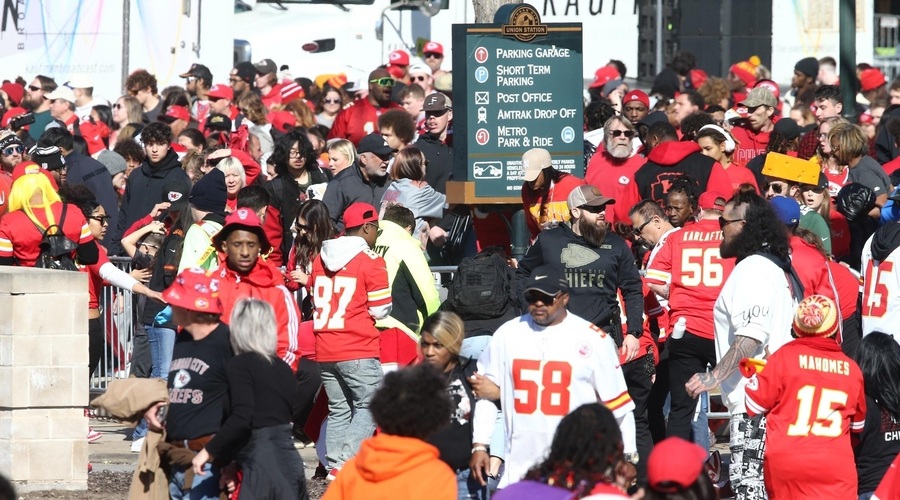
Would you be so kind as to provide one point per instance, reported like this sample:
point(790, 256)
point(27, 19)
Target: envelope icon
point(482, 98)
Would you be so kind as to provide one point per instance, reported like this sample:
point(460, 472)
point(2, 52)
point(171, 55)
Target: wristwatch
point(636, 334)
point(632, 458)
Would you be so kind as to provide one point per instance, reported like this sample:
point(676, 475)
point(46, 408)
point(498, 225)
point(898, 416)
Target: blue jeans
point(866, 496)
point(202, 488)
point(350, 386)
point(468, 488)
point(700, 427)
point(162, 343)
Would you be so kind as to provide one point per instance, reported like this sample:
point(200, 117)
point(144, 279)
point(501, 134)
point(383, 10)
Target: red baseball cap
point(399, 58)
point(637, 95)
point(603, 75)
point(30, 167)
point(221, 91)
point(712, 200)
point(175, 113)
point(675, 464)
point(433, 47)
point(771, 85)
point(359, 213)
point(282, 121)
point(195, 290)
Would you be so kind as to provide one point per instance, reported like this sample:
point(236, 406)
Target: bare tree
point(485, 9)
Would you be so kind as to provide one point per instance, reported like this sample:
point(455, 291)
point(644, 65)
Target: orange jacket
point(390, 467)
point(266, 283)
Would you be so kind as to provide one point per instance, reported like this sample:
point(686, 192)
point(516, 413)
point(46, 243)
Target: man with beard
point(360, 117)
point(437, 143)
point(598, 264)
point(612, 169)
point(751, 319)
point(36, 101)
point(753, 138)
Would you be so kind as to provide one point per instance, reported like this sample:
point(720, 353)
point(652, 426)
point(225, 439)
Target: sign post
point(517, 85)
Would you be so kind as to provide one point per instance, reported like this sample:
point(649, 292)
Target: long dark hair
point(879, 358)
point(702, 489)
point(307, 246)
point(586, 450)
point(762, 231)
point(282, 152)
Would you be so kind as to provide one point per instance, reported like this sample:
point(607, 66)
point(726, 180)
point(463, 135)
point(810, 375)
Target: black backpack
point(56, 248)
point(481, 287)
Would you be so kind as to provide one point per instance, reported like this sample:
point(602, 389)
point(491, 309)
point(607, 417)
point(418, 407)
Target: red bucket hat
point(195, 290)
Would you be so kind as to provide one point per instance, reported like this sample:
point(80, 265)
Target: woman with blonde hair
point(35, 208)
point(341, 154)
point(257, 431)
point(440, 344)
point(235, 179)
point(126, 110)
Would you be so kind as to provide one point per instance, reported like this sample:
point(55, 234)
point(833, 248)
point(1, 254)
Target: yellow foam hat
point(791, 169)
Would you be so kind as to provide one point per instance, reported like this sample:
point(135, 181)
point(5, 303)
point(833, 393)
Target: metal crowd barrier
point(117, 312)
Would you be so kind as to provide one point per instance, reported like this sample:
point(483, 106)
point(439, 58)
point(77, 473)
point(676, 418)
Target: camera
point(20, 121)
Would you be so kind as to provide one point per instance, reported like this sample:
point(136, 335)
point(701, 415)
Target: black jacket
point(440, 161)
point(348, 187)
point(672, 159)
point(885, 150)
point(595, 275)
point(81, 169)
point(285, 196)
point(143, 191)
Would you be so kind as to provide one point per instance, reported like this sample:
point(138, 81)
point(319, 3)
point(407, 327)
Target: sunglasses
point(598, 209)
point(433, 55)
point(384, 81)
point(724, 222)
point(814, 189)
point(618, 133)
point(640, 229)
point(420, 78)
point(102, 219)
point(235, 80)
point(301, 227)
point(33, 88)
point(149, 245)
point(534, 296)
point(133, 92)
point(776, 188)
point(190, 79)
point(117, 106)
point(13, 150)
point(331, 101)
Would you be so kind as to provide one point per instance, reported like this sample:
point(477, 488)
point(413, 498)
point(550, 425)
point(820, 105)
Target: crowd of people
point(726, 238)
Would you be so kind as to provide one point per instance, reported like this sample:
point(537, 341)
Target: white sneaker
point(136, 445)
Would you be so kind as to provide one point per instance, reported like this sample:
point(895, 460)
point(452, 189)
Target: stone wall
point(43, 378)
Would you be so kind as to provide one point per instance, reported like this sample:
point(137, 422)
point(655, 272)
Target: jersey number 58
point(544, 387)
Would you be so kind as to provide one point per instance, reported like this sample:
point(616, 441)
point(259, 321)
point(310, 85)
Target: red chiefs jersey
point(612, 177)
point(20, 238)
point(357, 120)
point(95, 282)
point(343, 326)
point(813, 396)
point(812, 269)
point(689, 262)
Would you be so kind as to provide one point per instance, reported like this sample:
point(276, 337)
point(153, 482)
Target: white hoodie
point(338, 252)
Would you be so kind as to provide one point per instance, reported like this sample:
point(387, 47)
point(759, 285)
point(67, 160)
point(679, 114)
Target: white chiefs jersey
point(880, 292)
point(544, 373)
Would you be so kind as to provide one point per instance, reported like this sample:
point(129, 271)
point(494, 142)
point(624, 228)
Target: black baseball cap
point(547, 280)
point(374, 143)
